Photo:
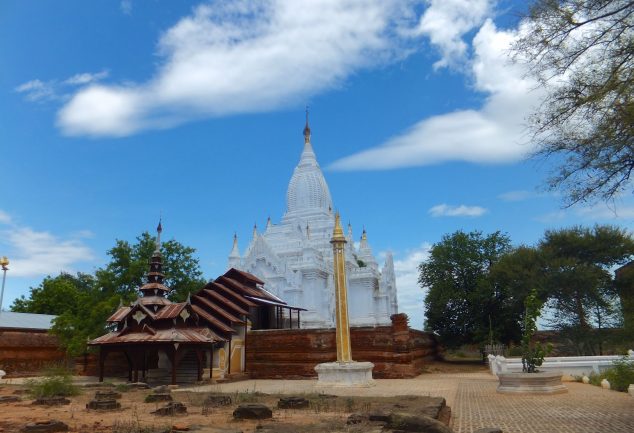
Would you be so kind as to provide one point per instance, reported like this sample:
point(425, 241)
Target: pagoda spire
point(235, 251)
point(307, 129)
point(159, 230)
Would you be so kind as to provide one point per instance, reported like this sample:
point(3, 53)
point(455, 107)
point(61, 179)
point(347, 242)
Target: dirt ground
point(325, 414)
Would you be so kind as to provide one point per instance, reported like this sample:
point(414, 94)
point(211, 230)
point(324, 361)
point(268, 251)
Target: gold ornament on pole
point(344, 372)
point(4, 263)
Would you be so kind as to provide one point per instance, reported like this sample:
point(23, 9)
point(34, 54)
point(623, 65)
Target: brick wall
point(396, 351)
point(25, 353)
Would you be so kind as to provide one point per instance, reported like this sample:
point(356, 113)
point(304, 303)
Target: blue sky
point(113, 112)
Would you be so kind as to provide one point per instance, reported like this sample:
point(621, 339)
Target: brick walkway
point(475, 404)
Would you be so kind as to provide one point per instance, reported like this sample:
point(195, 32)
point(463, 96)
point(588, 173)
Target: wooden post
point(102, 360)
point(211, 362)
point(245, 343)
point(173, 360)
point(199, 364)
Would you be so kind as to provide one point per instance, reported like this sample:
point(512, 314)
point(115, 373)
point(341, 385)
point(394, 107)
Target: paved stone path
point(475, 404)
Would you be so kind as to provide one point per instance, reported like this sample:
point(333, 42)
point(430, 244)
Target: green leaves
point(461, 295)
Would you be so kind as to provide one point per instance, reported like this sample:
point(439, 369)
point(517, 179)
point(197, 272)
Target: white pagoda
point(295, 259)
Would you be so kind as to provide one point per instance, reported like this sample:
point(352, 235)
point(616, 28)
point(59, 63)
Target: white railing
point(568, 365)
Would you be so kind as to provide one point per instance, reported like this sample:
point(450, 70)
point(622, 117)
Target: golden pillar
point(338, 241)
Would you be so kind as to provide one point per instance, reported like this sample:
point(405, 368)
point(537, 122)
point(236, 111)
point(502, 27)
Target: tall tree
point(463, 304)
point(580, 283)
point(55, 295)
point(129, 263)
point(582, 53)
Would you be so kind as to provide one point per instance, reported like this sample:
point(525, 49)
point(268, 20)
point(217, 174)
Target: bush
point(56, 382)
point(621, 375)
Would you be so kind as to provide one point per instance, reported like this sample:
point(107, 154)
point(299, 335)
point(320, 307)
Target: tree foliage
point(462, 300)
point(582, 54)
point(580, 284)
point(84, 302)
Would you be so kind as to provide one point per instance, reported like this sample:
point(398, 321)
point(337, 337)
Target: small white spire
point(268, 223)
point(235, 251)
point(255, 231)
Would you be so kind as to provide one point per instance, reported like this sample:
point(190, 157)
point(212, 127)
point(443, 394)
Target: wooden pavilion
point(153, 332)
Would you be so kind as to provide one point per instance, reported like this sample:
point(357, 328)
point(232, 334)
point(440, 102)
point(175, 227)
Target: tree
point(518, 274)
point(462, 303)
point(129, 263)
point(582, 54)
point(55, 295)
point(84, 302)
point(579, 280)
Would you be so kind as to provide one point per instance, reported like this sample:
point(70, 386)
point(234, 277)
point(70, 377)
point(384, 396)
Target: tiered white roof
point(295, 259)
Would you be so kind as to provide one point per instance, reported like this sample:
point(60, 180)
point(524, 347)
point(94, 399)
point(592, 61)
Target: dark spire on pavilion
point(155, 277)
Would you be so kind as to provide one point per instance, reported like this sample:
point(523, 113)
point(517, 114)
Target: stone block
point(9, 399)
point(293, 403)
point(605, 384)
point(156, 397)
point(45, 427)
point(103, 404)
point(51, 401)
point(416, 423)
point(345, 374)
point(172, 408)
point(585, 379)
point(107, 395)
point(252, 411)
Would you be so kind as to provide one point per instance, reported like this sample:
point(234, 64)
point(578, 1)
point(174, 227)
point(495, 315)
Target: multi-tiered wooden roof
point(213, 315)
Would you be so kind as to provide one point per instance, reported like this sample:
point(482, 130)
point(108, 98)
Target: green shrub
point(621, 375)
point(56, 382)
point(596, 378)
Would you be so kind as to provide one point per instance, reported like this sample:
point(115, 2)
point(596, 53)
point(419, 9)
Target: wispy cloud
point(445, 210)
point(85, 78)
point(37, 253)
point(52, 90)
point(519, 195)
point(237, 57)
point(411, 297)
point(126, 6)
point(37, 91)
point(494, 133)
point(446, 22)
point(5, 218)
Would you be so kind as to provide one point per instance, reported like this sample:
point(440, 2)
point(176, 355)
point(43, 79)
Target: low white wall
point(568, 365)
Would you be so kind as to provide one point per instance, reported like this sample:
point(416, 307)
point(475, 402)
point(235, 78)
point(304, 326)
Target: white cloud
point(5, 218)
point(494, 133)
point(37, 253)
point(519, 195)
point(126, 6)
point(411, 297)
point(445, 22)
point(36, 91)
point(85, 78)
point(237, 57)
point(442, 210)
point(51, 90)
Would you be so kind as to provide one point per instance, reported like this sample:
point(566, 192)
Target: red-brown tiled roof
point(231, 293)
point(244, 275)
point(177, 335)
point(216, 296)
point(217, 309)
point(170, 311)
point(212, 320)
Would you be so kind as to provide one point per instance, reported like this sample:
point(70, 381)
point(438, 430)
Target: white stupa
point(295, 260)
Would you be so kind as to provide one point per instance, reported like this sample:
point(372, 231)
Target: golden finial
point(337, 233)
